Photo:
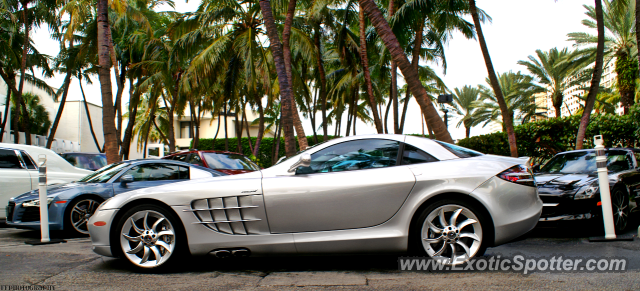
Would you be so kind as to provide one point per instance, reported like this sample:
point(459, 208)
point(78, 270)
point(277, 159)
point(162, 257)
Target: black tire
point(620, 209)
point(78, 213)
point(168, 248)
point(420, 246)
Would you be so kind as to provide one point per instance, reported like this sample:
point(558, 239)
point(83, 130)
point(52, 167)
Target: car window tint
point(158, 172)
point(353, 155)
point(180, 158)
point(9, 160)
point(105, 174)
point(413, 155)
point(195, 159)
point(27, 160)
point(618, 161)
point(459, 151)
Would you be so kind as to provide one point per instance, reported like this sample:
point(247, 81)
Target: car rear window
point(459, 151)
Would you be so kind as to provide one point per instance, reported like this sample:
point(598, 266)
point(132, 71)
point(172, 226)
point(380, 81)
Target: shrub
point(543, 139)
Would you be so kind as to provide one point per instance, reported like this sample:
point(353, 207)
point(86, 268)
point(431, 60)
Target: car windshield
point(585, 163)
point(103, 175)
point(87, 161)
point(229, 162)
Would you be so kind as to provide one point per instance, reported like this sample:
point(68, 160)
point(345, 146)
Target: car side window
point(354, 155)
point(158, 172)
point(195, 160)
point(9, 160)
point(180, 158)
point(413, 155)
point(27, 160)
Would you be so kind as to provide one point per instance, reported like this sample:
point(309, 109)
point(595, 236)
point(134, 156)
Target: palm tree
point(463, 105)
point(39, 122)
point(507, 116)
point(518, 90)
point(595, 79)
point(104, 62)
point(410, 74)
point(558, 70)
point(283, 80)
point(619, 43)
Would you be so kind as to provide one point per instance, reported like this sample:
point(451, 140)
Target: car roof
point(75, 153)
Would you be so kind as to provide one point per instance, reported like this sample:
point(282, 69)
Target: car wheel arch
point(72, 201)
point(452, 196)
point(113, 237)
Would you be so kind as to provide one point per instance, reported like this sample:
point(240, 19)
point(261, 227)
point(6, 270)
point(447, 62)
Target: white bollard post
point(42, 187)
point(605, 194)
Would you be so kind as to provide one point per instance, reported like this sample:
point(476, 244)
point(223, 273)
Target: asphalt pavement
point(73, 266)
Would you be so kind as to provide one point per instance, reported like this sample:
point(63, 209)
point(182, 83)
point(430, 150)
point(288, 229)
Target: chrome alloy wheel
point(147, 239)
point(80, 213)
point(451, 234)
point(620, 207)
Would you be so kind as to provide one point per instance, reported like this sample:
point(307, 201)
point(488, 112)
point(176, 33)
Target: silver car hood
point(231, 185)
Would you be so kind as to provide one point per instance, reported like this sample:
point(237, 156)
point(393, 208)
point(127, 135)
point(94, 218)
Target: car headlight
point(588, 191)
point(35, 203)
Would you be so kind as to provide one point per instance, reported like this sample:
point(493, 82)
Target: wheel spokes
point(156, 253)
point(444, 246)
point(470, 235)
point(156, 224)
point(165, 232)
point(465, 247)
point(144, 222)
point(79, 222)
point(135, 227)
point(132, 239)
point(454, 217)
point(433, 240)
point(452, 258)
point(466, 222)
point(136, 249)
point(434, 228)
point(145, 257)
point(443, 221)
point(164, 245)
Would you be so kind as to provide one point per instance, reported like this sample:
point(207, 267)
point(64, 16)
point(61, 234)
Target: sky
point(517, 30)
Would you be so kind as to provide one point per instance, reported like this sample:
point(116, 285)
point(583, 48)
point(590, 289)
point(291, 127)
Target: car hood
point(56, 190)
point(562, 184)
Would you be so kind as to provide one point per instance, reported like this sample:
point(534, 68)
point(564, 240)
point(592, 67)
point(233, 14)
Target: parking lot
point(73, 266)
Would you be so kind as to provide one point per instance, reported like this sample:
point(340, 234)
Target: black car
point(568, 185)
point(88, 161)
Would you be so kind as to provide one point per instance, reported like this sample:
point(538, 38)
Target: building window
point(185, 129)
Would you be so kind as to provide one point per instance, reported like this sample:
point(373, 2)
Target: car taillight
point(518, 174)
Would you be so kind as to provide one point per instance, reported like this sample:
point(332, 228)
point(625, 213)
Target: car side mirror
point(125, 179)
point(535, 168)
point(304, 161)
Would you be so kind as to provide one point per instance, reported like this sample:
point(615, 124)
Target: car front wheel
point(451, 232)
point(78, 213)
point(620, 209)
point(148, 236)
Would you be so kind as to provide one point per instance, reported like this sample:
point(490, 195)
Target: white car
point(19, 171)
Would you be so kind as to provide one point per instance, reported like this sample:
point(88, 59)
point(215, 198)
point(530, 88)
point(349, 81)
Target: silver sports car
point(359, 194)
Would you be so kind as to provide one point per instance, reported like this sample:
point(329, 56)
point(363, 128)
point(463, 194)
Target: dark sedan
point(71, 205)
point(568, 185)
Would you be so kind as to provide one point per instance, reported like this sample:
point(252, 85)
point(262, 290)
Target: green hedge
point(543, 139)
point(264, 155)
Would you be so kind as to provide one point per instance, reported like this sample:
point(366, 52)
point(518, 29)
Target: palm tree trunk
point(56, 121)
point(152, 118)
point(386, 118)
point(285, 85)
point(246, 123)
point(171, 110)
point(128, 132)
point(595, 79)
point(323, 82)
point(286, 35)
point(164, 137)
point(506, 117)
point(415, 58)
point(312, 115)
point(410, 74)
point(638, 28)
point(367, 75)
point(260, 136)
point(6, 112)
point(627, 71)
point(467, 131)
point(23, 67)
point(238, 127)
point(394, 81)
point(86, 108)
point(217, 131)
point(108, 113)
point(226, 129)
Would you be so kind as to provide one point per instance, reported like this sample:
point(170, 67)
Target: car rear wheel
point(451, 232)
point(78, 213)
point(148, 236)
point(620, 209)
